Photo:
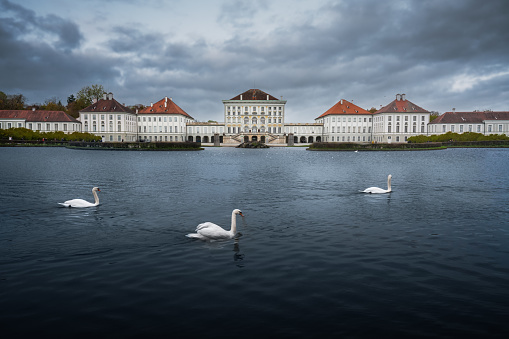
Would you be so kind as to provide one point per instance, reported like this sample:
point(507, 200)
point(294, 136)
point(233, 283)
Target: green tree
point(88, 93)
point(83, 99)
point(12, 101)
point(53, 104)
point(433, 116)
point(70, 99)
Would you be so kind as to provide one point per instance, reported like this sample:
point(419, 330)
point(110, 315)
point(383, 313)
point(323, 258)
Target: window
point(470, 128)
point(461, 128)
point(500, 128)
point(478, 128)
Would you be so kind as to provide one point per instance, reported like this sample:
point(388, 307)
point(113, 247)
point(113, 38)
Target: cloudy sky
point(440, 53)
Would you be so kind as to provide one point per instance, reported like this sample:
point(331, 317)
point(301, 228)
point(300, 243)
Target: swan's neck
point(233, 230)
point(389, 184)
point(96, 198)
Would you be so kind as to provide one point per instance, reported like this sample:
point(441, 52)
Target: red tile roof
point(37, 116)
point(401, 106)
point(469, 117)
point(344, 107)
point(164, 106)
point(106, 105)
point(254, 94)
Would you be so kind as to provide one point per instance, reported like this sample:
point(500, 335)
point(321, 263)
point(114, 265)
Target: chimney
point(403, 97)
point(151, 104)
point(454, 110)
point(241, 97)
point(33, 109)
point(398, 97)
point(110, 96)
point(105, 96)
point(94, 100)
point(341, 101)
point(267, 97)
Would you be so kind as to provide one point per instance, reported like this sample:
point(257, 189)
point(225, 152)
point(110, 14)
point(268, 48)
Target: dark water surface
point(316, 258)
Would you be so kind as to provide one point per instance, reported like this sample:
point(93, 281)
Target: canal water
point(314, 256)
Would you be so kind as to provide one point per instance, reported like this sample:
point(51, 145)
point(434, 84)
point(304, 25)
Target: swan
point(81, 202)
point(380, 190)
point(211, 231)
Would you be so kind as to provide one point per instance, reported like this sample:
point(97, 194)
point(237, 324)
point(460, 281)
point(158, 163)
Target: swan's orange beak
point(241, 214)
point(98, 190)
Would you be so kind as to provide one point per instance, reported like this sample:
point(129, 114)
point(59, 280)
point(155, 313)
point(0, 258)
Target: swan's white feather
point(76, 203)
point(376, 190)
point(211, 231)
point(82, 203)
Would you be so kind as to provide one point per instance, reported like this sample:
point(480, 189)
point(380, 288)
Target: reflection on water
point(313, 257)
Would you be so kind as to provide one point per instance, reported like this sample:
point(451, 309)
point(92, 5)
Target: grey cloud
point(365, 51)
point(25, 22)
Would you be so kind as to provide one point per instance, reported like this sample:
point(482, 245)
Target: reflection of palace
point(258, 116)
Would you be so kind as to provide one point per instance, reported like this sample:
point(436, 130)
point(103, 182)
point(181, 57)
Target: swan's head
point(239, 212)
point(96, 189)
point(390, 176)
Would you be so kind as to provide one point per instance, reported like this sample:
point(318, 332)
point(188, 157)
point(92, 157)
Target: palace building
point(255, 115)
point(39, 121)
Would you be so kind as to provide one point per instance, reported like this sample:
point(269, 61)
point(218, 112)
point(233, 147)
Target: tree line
point(75, 102)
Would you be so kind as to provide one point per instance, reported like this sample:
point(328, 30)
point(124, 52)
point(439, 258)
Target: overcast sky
point(440, 53)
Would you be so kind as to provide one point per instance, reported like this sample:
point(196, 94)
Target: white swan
point(211, 231)
point(81, 202)
point(380, 190)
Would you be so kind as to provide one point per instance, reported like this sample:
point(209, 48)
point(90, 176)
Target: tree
point(83, 99)
point(88, 93)
point(53, 104)
point(12, 101)
point(433, 116)
point(70, 99)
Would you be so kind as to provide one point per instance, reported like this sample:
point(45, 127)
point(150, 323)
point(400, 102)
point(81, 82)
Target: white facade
point(110, 120)
point(399, 120)
point(304, 133)
point(476, 122)
point(39, 121)
point(163, 121)
point(254, 111)
point(398, 127)
point(162, 127)
point(347, 128)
